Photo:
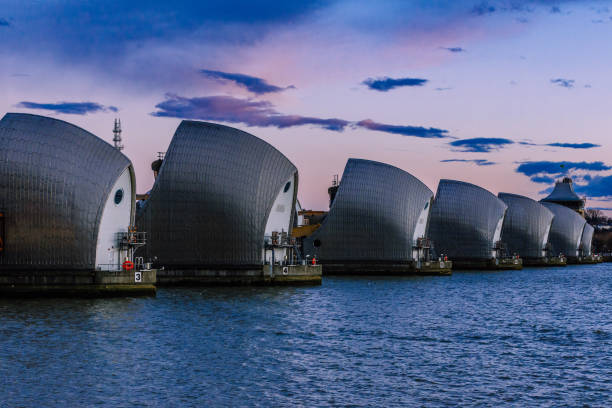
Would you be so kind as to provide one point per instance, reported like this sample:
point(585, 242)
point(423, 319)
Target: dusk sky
point(509, 95)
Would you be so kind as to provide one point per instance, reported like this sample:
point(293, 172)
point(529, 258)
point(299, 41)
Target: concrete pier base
point(387, 268)
point(582, 260)
point(492, 264)
point(434, 268)
point(57, 283)
point(254, 275)
point(552, 261)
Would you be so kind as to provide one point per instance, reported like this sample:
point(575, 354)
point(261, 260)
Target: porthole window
point(118, 196)
point(287, 187)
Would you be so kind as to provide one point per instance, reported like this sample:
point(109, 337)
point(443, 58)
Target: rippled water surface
point(523, 338)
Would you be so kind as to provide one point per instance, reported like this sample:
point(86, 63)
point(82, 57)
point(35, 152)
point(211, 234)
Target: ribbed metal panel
point(373, 217)
point(566, 230)
point(526, 226)
point(587, 239)
point(211, 200)
point(464, 219)
point(54, 181)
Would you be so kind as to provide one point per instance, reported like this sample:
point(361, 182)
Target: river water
point(537, 337)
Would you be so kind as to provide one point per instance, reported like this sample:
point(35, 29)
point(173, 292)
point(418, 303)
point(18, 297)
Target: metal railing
point(138, 266)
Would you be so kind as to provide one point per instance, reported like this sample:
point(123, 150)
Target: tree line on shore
point(602, 238)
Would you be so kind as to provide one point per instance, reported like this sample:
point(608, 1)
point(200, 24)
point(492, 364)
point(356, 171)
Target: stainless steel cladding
point(55, 179)
point(466, 221)
point(213, 196)
point(375, 216)
point(526, 226)
point(587, 239)
point(566, 230)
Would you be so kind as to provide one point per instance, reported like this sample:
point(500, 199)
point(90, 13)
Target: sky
point(509, 95)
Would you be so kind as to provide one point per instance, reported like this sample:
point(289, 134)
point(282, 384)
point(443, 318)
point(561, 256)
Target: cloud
point(263, 114)
point(480, 144)
point(75, 26)
point(543, 179)
point(564, 145)
point(454, 49)
point(4, 22)
point(256, 85)
point(478, 162)
point(597, 187)
point(416, 131)
point(544, 171)
point(385, 84)
point(443, 89)
point(235, 110)
point(562, 82)
point(601, 10)
point(574, 145)
point(69, 108)
point(520, 6)
point(594, 186)
point(483, 9)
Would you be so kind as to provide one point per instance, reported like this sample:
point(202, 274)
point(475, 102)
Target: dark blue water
point(523, 338)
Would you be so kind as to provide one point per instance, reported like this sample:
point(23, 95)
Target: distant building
point(221, 196)
point(466, 224)
point(305, 222)
point(526, 227)
point(564, 194)
point(65, 196)
point(378, 215)
point(566, 230)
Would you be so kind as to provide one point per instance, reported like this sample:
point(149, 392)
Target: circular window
point(287, 186)
point(317, 243)
point(118, 196)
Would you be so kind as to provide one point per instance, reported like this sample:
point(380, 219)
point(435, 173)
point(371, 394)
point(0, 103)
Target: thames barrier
point(223, 210)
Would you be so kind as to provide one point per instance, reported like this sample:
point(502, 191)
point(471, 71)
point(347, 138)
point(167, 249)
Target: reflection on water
point(531, 337)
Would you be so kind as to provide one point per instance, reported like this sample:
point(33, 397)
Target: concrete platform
point(545, 262)
point(387, 268)
point(580, 260)
point(254, 275)
point(434, 268)
point(59, 283)
point(488, 264)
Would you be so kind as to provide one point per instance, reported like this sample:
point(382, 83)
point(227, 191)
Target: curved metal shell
point(54, 182)
point(587, 239)
point(212, 198)
point(373, 216)
point(566, 230)
point(465, 221)
point(526, 226)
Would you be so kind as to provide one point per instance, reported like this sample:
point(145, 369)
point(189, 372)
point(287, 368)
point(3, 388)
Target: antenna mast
point(117, 133)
